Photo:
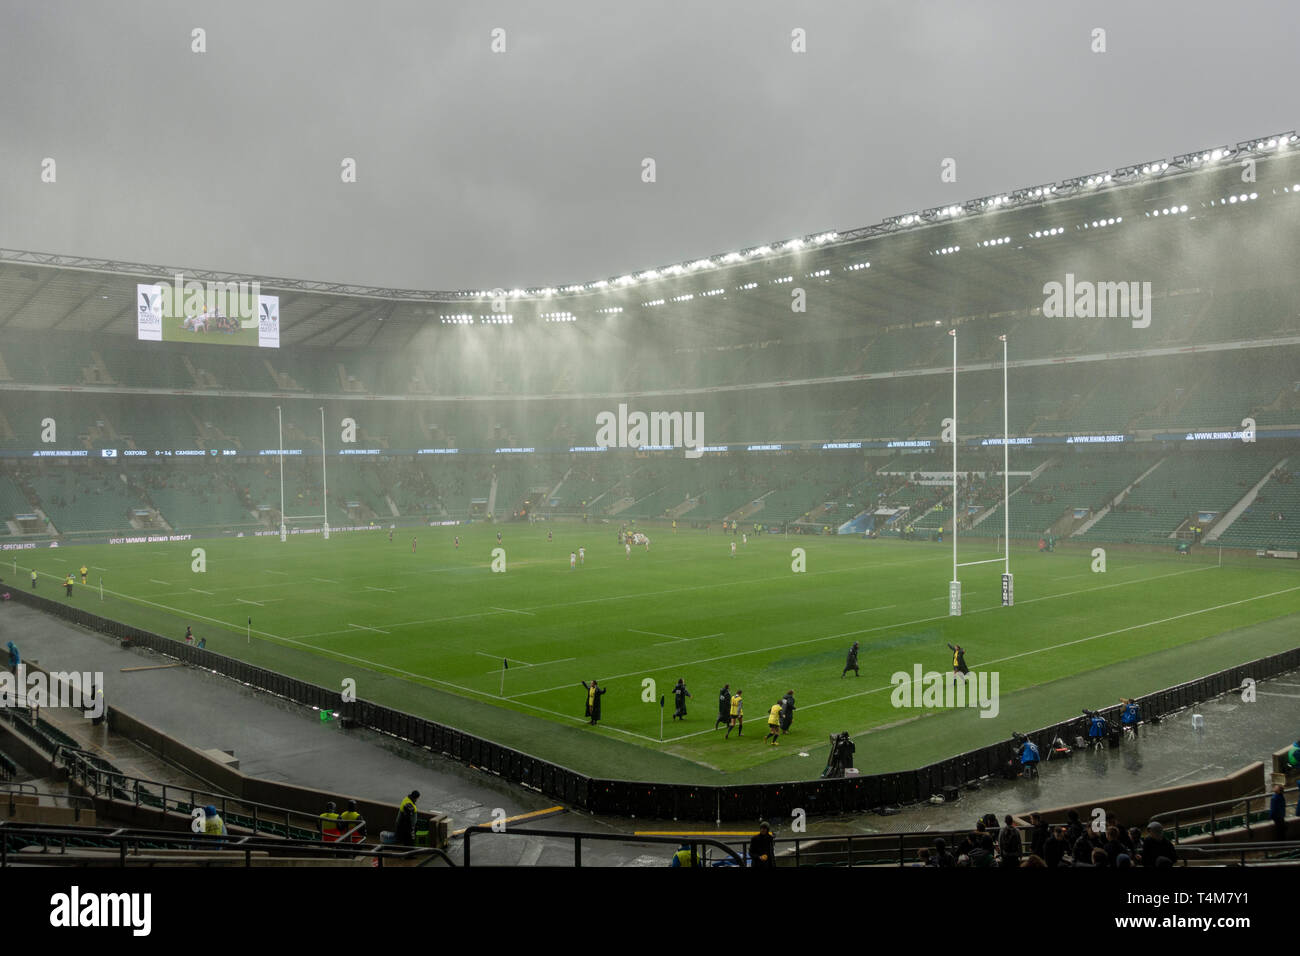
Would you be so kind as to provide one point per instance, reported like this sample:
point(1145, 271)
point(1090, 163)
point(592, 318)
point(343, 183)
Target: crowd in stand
point(1073, 844)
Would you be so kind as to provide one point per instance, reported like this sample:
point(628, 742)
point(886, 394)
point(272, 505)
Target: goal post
point(313, 522)
point(1001, 543)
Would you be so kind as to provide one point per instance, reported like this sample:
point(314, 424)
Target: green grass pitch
point(426, 631)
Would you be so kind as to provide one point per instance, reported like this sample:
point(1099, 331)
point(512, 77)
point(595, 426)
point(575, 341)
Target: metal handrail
point(578, 836)
point(1212, 810)
point(1220, 803)
point(106, 780)
point(130, 838)
point(30, 789)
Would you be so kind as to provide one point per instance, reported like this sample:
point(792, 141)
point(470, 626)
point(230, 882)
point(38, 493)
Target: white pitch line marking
point(272, 571)
point(242, 601)
point(883, 607)
point(687, 640)
point(367, 628)
point(156, 581)
point(510, 610)
point(562, 660)
point(671, 637)
point(502, 657)
point(201, 591)
point(325, 580)
point(389, 590)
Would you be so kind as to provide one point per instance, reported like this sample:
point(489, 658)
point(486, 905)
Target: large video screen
point(213, 313)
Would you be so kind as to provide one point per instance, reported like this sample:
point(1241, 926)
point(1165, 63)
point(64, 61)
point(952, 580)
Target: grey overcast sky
point(478, 169)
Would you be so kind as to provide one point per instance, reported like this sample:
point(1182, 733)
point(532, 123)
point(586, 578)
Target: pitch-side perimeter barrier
point(662, 800)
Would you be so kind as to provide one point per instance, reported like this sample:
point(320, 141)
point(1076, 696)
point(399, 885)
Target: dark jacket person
point(680, 693)
point(787, 711)
point(762, 849)
point(594, 693)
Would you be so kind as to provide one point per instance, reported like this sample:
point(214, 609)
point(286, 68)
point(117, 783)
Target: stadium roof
point(947, 261)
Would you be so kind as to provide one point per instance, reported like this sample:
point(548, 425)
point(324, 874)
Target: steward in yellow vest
point(329, 821)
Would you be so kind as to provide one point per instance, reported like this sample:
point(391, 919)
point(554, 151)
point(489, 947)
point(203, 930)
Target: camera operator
point(841, 756)
point(1131, 716)
point(1098, 728)
point(1028, 756)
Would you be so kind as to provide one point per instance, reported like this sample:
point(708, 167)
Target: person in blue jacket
point(1028, 756)
point(1098, 729)
point(1277, 813)
point(1131, 716)
point(14, 658)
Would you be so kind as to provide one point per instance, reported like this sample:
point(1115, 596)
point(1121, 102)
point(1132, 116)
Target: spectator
point(213, 825)
point(1033, 861)
point(1293, 756)
point(1155, 847)
point(1100, 859)
point(1074, 827)
point(762, 849)
point(1123, 862)
point(982, 856)
point(14, 657)
point(1009, 843)
point(1114, 846)
point(1081, 853)
point(1054, 850)
point(941, 857)
point(1277, 813)
point(1038, 841)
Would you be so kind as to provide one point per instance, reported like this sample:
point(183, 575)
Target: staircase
point(96, 373)
point(1237, 510)
point(282, 380)
point(1118, 499)
point(194, 373)
point(348, 383)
